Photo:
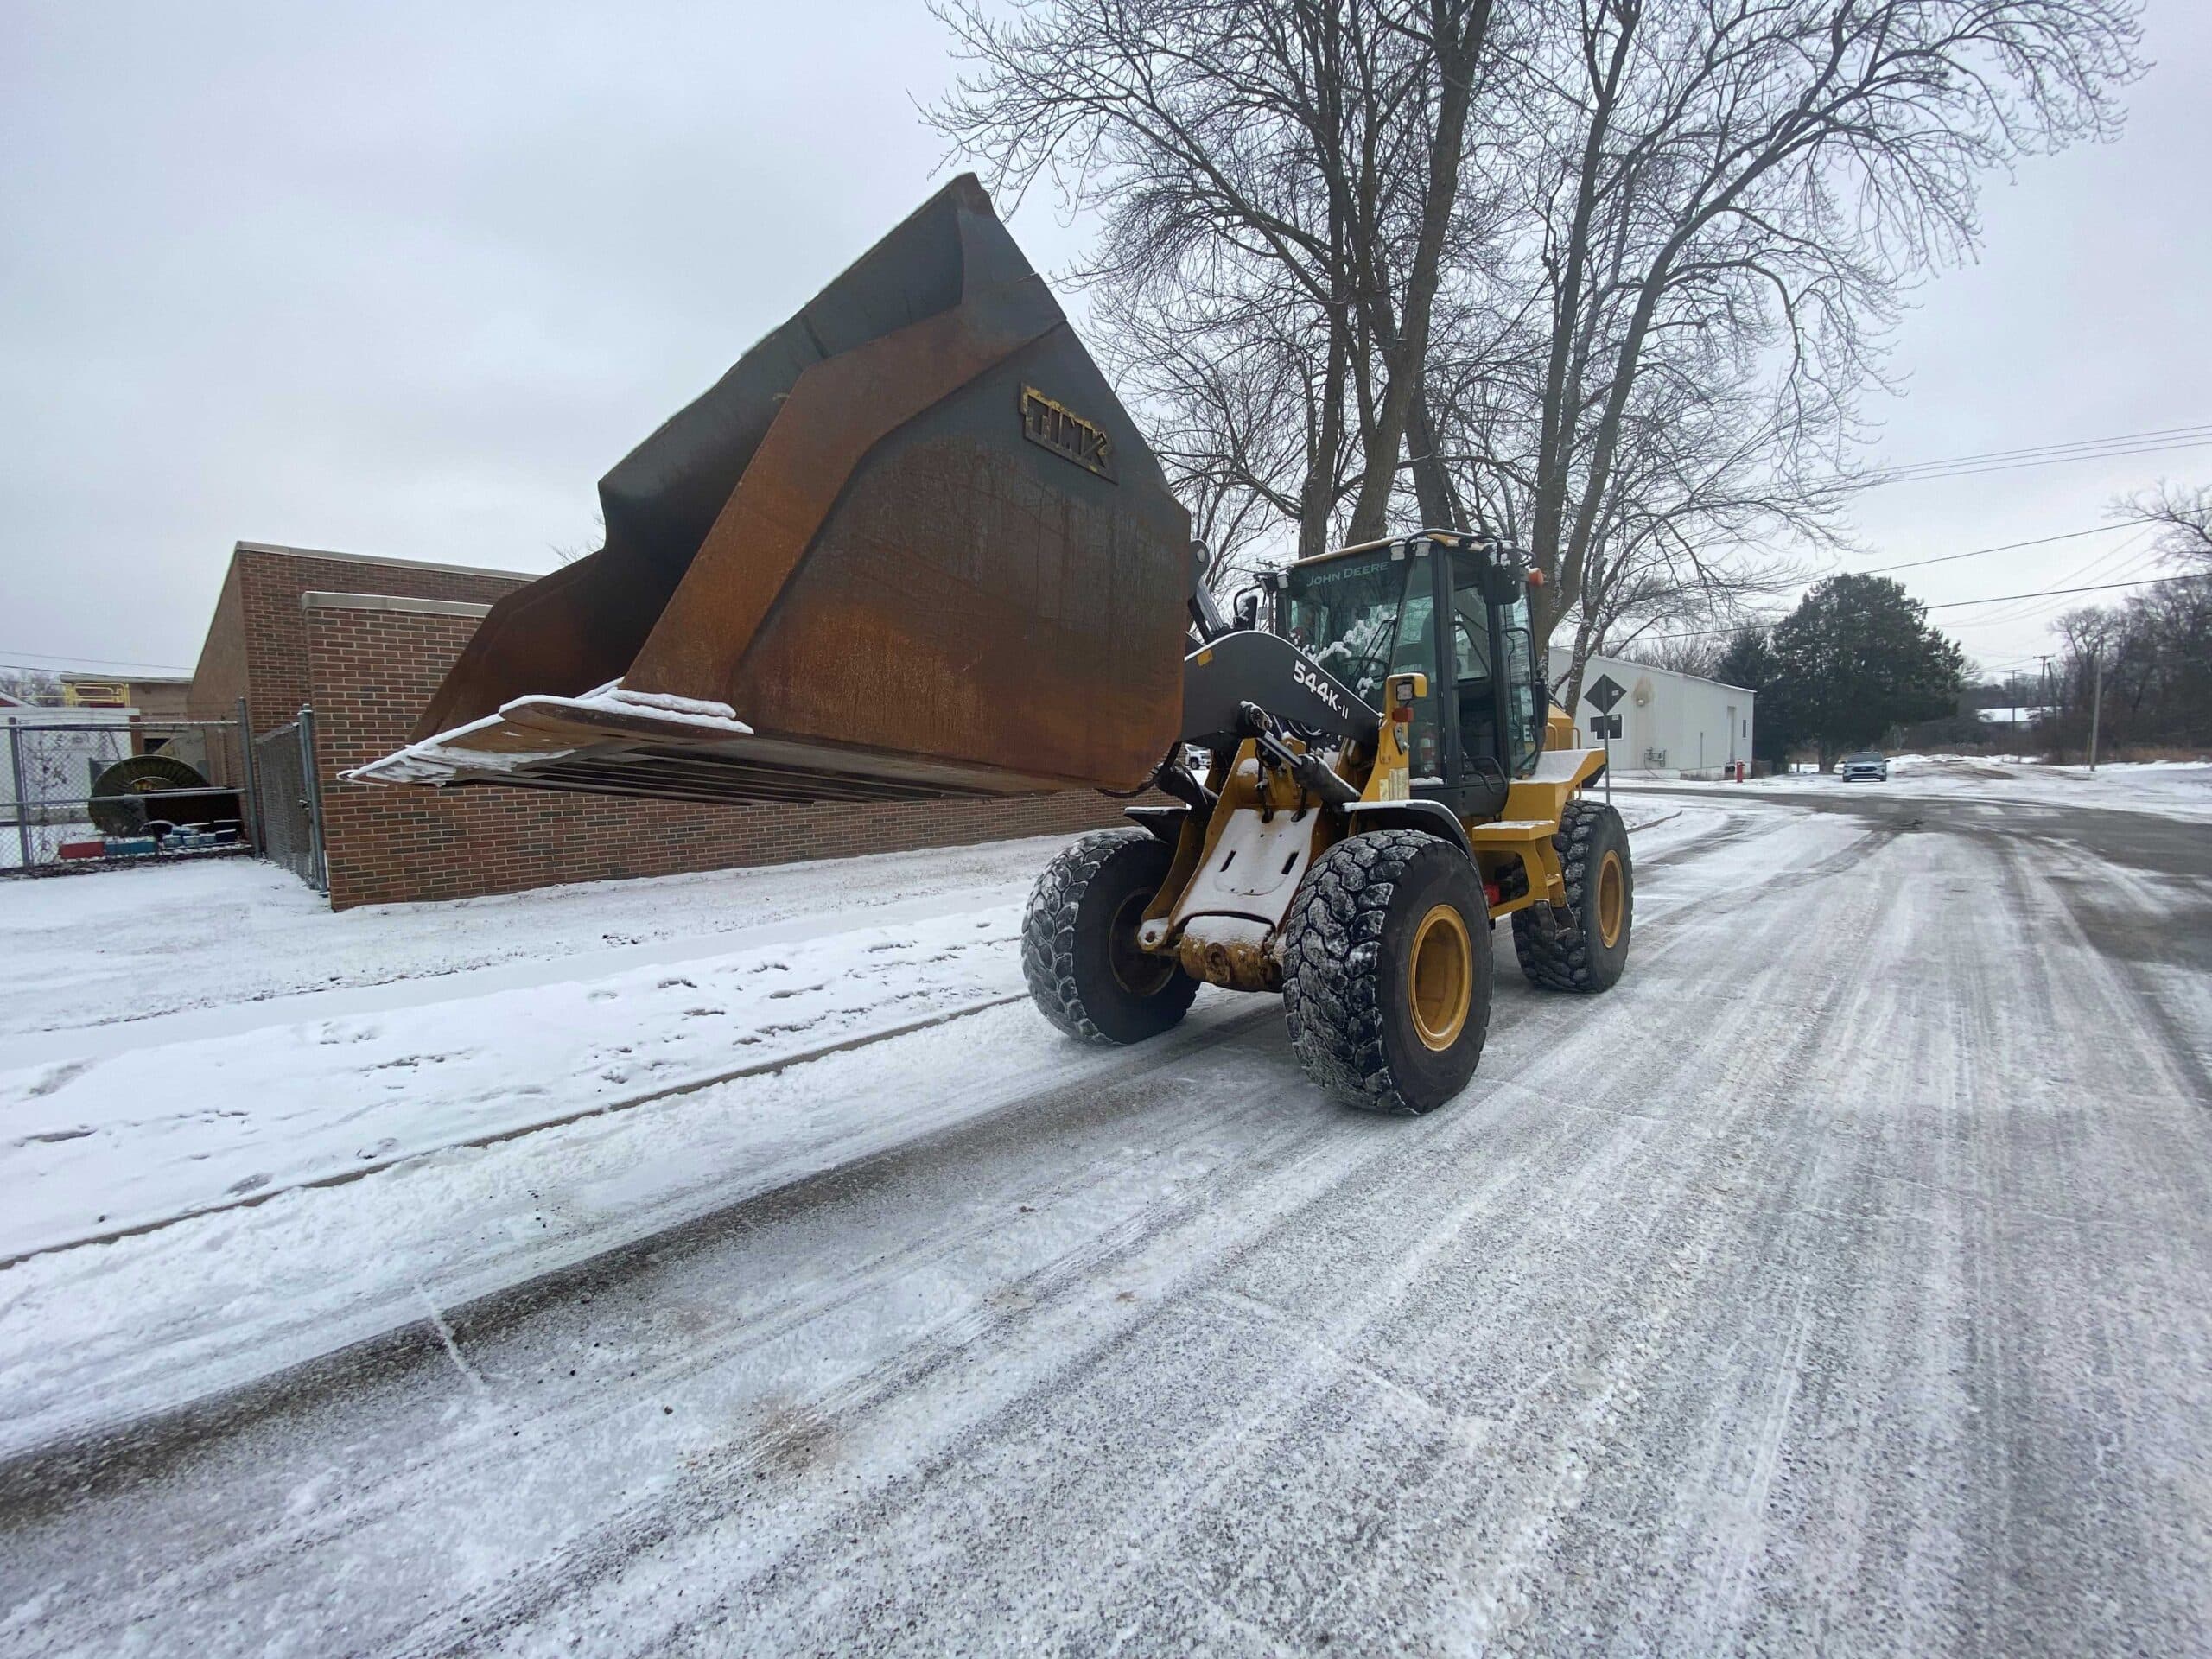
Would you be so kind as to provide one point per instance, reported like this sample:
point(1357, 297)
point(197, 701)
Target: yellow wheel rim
point(1442, 981)
point(1613, 900)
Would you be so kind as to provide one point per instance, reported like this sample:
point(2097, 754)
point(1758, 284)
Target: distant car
point(1867, 764)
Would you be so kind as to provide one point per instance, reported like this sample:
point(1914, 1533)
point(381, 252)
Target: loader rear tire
point(1584, 948)
point(1079, 941)
point(1387, 971)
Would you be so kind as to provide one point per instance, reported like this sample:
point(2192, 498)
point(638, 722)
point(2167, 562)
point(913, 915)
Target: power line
point(2108, 566)
point(1918, 477)
point(2196, 429)
point(1948, 605)
point(2005, 547)
point(2117, 446)
point(90, 662)
point(2048, 593)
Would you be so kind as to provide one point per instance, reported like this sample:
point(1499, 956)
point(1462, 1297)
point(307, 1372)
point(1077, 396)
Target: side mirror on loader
point(1504, 583)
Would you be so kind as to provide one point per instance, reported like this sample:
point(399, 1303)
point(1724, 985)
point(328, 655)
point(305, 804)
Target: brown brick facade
point(371, 671)
point(257, 645)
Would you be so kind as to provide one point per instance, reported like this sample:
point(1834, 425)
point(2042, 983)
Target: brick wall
point(219, 680)
point(271, 581)
point(371, 671)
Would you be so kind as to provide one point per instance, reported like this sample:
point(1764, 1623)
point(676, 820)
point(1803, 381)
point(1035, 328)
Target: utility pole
point(2096, 699)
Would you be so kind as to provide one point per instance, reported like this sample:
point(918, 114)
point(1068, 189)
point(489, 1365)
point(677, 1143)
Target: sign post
point(1605, 724)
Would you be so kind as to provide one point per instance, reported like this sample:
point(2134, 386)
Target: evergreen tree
point(1748, 662)
point(1855, 658)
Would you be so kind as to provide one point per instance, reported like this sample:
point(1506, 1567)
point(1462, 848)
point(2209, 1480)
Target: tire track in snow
point(144, 1453)
point(1318, 1207)
point(1612, 1282)
point(1376, 1292)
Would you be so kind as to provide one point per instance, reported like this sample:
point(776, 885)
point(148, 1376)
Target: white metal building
point(1672, 725)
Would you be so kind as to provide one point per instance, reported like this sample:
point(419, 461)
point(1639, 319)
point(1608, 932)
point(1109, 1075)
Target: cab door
point(1495, 706)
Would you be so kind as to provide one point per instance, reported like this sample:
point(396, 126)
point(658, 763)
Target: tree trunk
point(1404, 337)
point(1563, 388)
point(1317, 497)
point(1440, 502)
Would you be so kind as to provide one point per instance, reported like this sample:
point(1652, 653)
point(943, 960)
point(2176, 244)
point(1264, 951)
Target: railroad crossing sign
point(1604, 695)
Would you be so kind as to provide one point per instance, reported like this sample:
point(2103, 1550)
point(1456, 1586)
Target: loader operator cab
point(1454, 608)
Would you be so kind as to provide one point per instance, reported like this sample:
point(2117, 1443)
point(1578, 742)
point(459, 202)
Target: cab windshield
point(1355, 617)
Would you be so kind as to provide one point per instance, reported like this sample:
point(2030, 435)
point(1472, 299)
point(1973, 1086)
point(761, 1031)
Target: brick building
point(257, 645)
point(365, 642)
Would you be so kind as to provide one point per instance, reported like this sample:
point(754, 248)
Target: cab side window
point(1524, 706)
point(1471, 667)
point(1414, 653)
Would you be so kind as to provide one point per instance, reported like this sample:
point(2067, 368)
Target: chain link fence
point(81, 792)
point(285, 785)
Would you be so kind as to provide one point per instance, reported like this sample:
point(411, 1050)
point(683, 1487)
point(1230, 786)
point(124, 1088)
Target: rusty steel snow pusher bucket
point(912, 545)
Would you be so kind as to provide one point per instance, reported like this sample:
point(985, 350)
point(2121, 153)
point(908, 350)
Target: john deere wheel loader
point(911, 547)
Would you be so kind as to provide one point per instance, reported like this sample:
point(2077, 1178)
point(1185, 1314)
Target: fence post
point(254, 837)
point(311, 786)
point(22, 806)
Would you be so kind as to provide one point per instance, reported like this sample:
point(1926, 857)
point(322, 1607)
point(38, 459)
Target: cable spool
point(140, 774)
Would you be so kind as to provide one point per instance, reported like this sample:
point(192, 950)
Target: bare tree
point(2154, 647)
point(569, 552)
point(1227, 398)
point(1309, 152)
point(1693, 504)
point(2183, 516)
point(1744, 190)
point(1694, 653)
point(33, 685)
point(1609, 278)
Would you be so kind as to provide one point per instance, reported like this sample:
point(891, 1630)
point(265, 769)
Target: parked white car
point(1866, 763)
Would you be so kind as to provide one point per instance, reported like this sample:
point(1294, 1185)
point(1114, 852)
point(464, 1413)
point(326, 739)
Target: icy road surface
point(1837, 1283)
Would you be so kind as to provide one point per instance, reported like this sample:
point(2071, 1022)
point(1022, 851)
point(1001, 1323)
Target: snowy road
point(1838, 1283)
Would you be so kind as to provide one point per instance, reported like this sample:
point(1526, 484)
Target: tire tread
point(1554, 948)
point(1332, 992)
point(1048, 931)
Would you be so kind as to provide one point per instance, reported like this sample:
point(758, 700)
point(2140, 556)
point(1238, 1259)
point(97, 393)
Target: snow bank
point(133, 944)
point(98, 1144)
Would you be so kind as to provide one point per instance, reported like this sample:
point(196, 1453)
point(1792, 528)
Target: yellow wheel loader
point(911, 547)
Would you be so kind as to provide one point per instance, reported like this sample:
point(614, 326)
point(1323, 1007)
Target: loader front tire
point(1079, 941)
point(1584, 948)
point(1387, 971)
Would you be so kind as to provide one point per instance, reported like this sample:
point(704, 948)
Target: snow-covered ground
point(2161, 788)
point(277, 1044)
point(286, 1170)
point(127, 944)
point(1832, 1284)
point(149, 1133)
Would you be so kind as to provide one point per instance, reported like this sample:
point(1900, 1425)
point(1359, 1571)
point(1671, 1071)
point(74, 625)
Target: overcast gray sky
point(406, 279)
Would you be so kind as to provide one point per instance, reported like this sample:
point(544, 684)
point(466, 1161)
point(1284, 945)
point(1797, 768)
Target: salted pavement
point(1835, 1284)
